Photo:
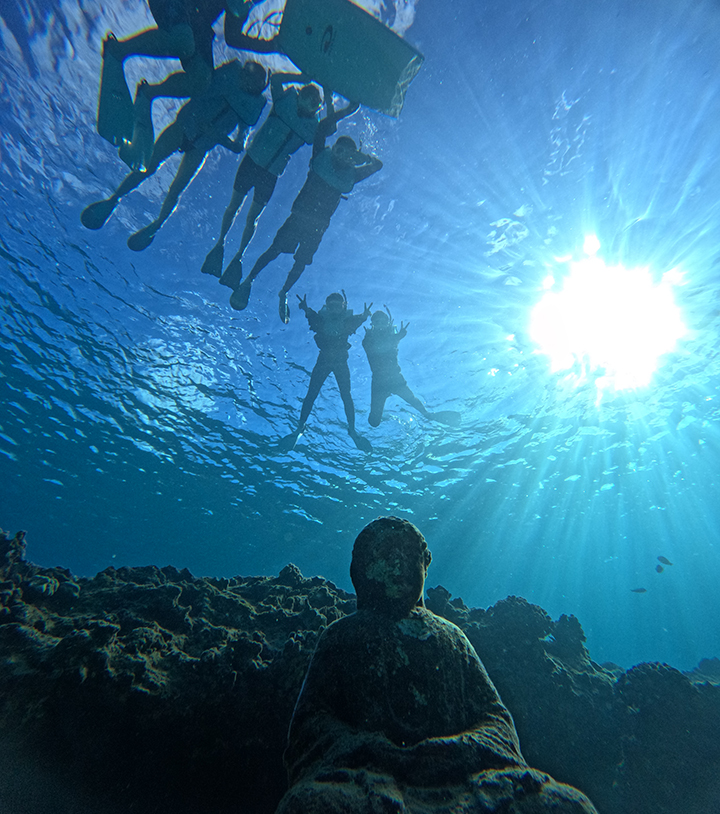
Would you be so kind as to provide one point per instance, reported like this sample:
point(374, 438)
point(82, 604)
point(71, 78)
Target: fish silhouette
point(638, 590)
point(664, 560)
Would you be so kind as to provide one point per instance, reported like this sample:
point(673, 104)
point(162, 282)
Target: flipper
point(287, 443)
point(214, 261)
point(115, 108)
point(241, 296)
point(233, 274)
point(449, 417)
point(361, 442)
point(142, 238)
point(136, 153)
point(283, 309)
point(95, 215)
point(343, 47)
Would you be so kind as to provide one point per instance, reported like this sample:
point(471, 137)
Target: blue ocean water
point(139, 414)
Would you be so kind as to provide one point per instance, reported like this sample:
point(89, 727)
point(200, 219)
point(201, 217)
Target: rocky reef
point(150, 690)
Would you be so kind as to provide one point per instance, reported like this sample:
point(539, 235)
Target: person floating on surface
point(292, 122)
point(334, 171)
point(184, 31)
point(233, 100)
point(332, 326)
point(381, 342)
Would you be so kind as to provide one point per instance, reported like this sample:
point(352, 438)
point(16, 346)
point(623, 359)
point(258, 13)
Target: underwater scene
point(455, 263)
point(524, 205)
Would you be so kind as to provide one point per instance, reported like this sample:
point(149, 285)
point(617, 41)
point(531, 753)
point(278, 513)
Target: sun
point(609, 322)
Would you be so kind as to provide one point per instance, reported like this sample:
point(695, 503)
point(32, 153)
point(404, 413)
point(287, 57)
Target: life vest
point(227, 82)
point(342, 179)
point(283, 132)
point(221, 107)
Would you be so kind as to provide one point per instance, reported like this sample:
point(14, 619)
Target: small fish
point(638, 590)
point(664, 560)
point(659, 569)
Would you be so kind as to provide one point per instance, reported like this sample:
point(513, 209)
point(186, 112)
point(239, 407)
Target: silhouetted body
point(332, 325)
point(381, 347)
point(291, 123)
point(184, 31)
point(233, 100)
point(334, 171)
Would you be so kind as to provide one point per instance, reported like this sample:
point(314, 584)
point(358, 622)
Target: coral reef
point(149, 690)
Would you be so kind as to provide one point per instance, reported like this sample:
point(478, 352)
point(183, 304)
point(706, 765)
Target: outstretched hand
point(302, 304)
point(367, 311)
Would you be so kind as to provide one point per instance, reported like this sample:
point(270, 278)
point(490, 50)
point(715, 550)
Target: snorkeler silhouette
point(381, 342)
point(397, 712)
point(332, 326)
point(234, 99)
point(184, 31)
point(292, 122)
point(334, 171)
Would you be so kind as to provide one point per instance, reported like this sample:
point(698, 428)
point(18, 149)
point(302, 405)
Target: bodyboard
point(342, 47)
point(115, 107)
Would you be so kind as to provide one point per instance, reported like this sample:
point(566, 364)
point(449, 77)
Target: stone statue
point(397, 712)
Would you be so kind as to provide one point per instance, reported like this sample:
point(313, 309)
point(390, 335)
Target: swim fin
point(136, 153)
point(95, 215)
point(240, 297)
point(287, 443)
point(283, 309)
point(140, 240)
point(449, 417)
point(115, 108)
point(213, 263)
point(361, 442)
point(233, 273)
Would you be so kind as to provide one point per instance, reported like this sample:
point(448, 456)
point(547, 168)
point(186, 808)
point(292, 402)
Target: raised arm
point(280, 79)
point(367, 167)
point(329, 123)
point(356, 320)
point(236, 145)
point(312, 316)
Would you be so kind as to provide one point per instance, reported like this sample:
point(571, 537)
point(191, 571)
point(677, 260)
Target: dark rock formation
point(148, 690)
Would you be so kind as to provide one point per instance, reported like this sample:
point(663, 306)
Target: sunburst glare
point(608, 322)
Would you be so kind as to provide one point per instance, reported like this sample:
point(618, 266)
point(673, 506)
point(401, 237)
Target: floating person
point(184, 31)
point(292, 122)
point(381, 342)
point(334, 171)
point(339, 45)
point(332, 325)
point(659, 568)
point(233, 100)
point(397, 712)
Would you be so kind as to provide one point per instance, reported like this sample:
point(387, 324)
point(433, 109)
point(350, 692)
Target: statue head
point(389, 565)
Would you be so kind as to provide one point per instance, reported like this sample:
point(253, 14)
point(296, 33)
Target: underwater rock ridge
point(150, 690)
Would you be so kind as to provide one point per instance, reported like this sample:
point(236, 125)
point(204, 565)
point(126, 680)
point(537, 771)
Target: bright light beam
point(608, 320)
